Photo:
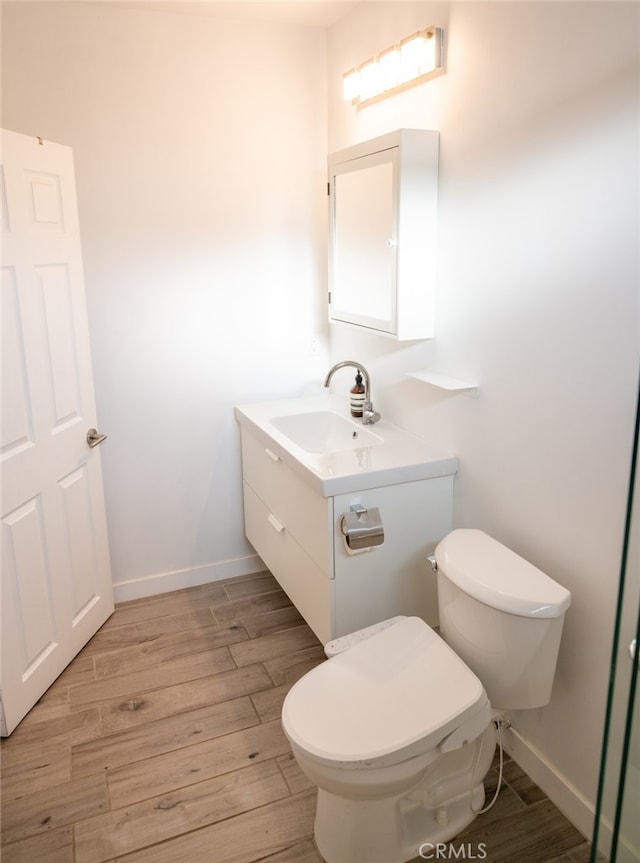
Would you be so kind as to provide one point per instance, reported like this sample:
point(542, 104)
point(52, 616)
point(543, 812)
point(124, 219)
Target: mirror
point(364, 244)
point(383, 198)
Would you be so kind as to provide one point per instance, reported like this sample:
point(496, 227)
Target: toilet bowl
point(390, 736)
point(396, 729)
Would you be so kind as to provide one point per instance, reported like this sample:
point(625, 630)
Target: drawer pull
point(272, 454)
point(275, 524)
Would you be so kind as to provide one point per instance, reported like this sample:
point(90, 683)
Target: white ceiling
point(314, 13)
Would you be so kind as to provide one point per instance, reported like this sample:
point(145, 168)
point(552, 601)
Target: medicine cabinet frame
point(383, 198)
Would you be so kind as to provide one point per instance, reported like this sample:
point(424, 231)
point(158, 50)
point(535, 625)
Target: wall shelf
point(443, 382)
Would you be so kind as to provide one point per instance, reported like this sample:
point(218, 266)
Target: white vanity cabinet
point(289, 525)
point(296, 531)
point(382, 238)
point(395, 577)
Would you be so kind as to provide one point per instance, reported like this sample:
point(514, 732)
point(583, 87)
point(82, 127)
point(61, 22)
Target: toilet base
point(397, 837)
point(395, 829)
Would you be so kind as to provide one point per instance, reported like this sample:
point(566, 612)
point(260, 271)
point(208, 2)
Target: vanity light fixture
point(411, 61)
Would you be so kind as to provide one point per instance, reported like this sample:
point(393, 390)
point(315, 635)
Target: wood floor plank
point(293, 775)
point(165, 735)
point(538, 833)
point(176, 812)
point(520, 783)
point(38, 768)
point(251, 586)
point(80, 671)
point(245, 838)
point(53, 807)
point(268, 702)
point(120, 714)
point(167, 646)
point(290, 667)
point(53, 733)
point(54, 703)
point(272, 621)
point(185, 601)
point(116, 635)
point(274, 645)
point(179, 670)
point(304, 852)
point(55, 846)
point(247, 607)
point(582, 854)
point(213, 592)
point(195, 763)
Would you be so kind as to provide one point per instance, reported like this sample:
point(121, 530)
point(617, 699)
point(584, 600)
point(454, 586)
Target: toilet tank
point(502, 616)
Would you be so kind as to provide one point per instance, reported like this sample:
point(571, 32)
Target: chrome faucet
point(369, 416)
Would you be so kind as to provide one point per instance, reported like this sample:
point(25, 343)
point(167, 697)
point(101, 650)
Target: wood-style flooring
point(161, 743)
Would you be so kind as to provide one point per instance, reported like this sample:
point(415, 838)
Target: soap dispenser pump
point(357, 397)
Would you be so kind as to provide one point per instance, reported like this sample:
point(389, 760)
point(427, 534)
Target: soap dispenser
point(357, 397)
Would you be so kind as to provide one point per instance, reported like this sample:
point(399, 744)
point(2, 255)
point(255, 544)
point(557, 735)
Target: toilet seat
point(395, 695)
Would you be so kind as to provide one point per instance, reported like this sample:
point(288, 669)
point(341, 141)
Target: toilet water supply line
point(500, 722)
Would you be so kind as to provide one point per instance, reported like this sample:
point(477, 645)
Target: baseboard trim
point(559, 790)
point(164, 582)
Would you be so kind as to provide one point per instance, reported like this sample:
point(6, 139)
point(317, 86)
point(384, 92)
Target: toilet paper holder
point(361, 528)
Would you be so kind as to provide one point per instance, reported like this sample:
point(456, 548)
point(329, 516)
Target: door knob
point(94, 437)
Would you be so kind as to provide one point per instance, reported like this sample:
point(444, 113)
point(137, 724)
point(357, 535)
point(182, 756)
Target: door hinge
point(329, 297)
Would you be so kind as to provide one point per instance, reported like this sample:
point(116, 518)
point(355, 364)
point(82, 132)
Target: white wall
point(200, 148)
point(537, 302)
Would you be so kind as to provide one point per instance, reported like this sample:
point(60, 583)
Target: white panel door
point(56, 577)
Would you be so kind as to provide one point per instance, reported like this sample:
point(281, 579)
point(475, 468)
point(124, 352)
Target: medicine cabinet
point(382, 246)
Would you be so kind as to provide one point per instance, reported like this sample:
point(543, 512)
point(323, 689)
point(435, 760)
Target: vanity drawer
point(306, 585)
point(304, 512)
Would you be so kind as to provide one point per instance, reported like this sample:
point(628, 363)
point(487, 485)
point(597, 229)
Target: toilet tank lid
point(497, 576)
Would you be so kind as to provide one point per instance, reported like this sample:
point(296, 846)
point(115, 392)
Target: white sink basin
point(337, 455)
point(325, 431)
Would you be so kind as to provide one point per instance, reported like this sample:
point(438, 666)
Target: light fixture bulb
point(415, 57)
point(370, 79)
point(389, 63)
point(351, 85)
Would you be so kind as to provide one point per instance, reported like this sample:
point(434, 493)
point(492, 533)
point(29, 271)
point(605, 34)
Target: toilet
point(396, 729)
